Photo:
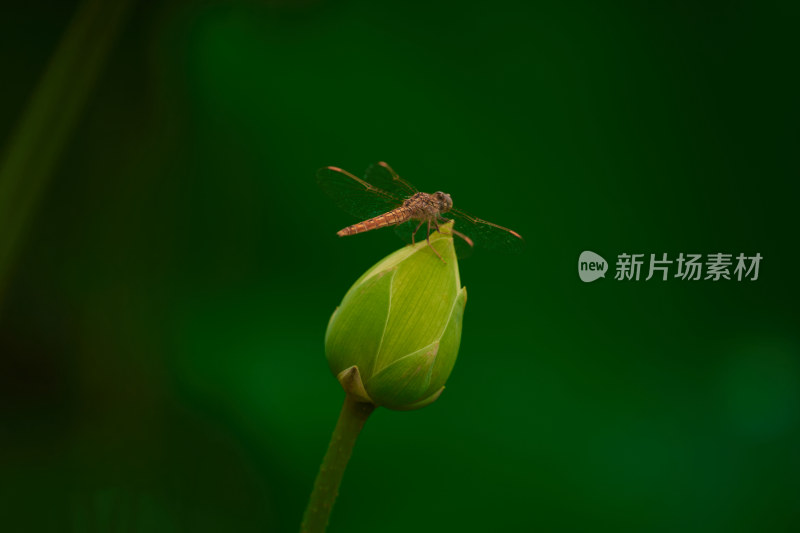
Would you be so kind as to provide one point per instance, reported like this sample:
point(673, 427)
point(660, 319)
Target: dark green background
point(161, 336)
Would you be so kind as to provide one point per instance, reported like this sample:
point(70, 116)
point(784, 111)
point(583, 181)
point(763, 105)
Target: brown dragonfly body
point(384, 199)
point(422, 206)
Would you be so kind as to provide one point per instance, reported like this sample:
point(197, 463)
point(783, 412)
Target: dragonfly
point(385, 199)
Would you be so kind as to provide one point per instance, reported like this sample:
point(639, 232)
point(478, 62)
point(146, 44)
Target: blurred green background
point(164, 306)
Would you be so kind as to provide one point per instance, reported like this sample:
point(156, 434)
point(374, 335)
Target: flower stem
point(326, 487)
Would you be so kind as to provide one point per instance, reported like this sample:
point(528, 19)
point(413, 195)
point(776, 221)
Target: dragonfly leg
point(416, 230)
point(458, 233)
point(428, 238)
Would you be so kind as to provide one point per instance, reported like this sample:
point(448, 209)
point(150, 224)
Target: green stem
point(326, 487)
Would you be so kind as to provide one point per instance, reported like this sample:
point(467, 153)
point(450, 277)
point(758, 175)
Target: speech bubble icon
point(591, 266)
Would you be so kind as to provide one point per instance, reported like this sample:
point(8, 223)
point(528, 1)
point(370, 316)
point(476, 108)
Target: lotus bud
point(394, 339)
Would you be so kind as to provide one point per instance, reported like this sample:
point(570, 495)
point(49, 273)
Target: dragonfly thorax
point(424, 206)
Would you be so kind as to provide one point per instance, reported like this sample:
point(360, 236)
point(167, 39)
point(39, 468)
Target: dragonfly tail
point(392, 218)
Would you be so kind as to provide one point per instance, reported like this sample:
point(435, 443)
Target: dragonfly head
point(444, 201)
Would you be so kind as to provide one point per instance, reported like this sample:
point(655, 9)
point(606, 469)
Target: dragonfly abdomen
point(392, 218)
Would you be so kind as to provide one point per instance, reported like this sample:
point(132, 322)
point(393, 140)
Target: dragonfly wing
point(354, 195)
point(486, 234)
point(405, 230)
point(463, 245)
point(384, 177)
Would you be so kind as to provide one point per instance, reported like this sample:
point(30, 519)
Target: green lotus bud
point(394, 339)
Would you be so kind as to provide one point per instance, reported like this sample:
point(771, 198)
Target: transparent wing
point(405, 230)
point(381, 175)
point(354, 195)
point(463, 245)
point(485, 234)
